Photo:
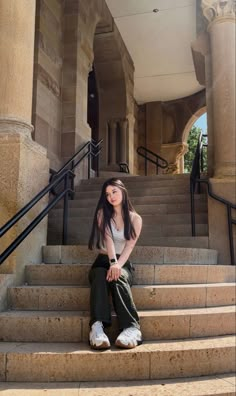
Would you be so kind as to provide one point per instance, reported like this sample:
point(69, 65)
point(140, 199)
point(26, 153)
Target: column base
point(15, 125)
point(24, 171)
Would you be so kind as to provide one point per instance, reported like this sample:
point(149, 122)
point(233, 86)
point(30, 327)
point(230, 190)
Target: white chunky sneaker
point(97, 337)
point(129, 338)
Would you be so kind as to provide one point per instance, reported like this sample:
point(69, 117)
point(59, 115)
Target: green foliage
point(192, 145)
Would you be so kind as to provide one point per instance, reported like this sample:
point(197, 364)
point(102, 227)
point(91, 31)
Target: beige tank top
point(118, 239)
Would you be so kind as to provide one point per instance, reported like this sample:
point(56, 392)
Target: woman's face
point(114, 195)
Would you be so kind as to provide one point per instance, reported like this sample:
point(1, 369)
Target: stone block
point(144, 274)
point(40, 327)
point(221, 273)
point(172, 360)
point(48, 106)
point(75, 254)
point(17, 151)
point(179, 274)
point(217, 214)
point(23, 298)
point(215, 323)
point(52, 254)
point(65, 274)
point(75, 362)
point(220, 294)
point(68, 124)
point(165, 297)
point(2, 367)
point(150, 255)
point(67, 144)
point(158, 326)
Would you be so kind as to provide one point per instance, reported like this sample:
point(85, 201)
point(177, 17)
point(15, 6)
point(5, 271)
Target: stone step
point(79, 231)
point(140, 192)
point(202, 242)
point(44, 326)
point(50, 362)
point(151, 237)
point(138, 179)
point(162, 208)
point(69, 254)
point(136, 184)
point(142, 200)
point(148, 218)
point(149, 274)
point(72, 298)
point(220, 385)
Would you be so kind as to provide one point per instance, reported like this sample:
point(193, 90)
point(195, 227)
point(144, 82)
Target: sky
point(202, 123)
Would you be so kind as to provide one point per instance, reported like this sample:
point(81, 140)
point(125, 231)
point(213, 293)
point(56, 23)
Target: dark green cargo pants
point(120, 291)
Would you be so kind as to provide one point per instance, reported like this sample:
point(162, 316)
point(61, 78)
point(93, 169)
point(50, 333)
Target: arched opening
point(196, 125)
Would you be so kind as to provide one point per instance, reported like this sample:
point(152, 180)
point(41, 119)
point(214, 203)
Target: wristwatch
point(113, 261)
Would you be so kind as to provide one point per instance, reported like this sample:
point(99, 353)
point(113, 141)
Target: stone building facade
point(45, 68)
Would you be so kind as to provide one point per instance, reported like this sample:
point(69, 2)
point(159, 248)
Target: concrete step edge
point(152, 360)
point(221, 385)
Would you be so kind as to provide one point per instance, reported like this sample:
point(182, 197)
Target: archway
point(196, 124)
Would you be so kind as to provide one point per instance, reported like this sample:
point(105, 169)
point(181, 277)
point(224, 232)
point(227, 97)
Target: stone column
point(172, 153)
point(23, 163)
point(123, 140)
point(221, 27)
point(113, 141)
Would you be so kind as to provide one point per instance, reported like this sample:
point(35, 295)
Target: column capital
point(218, 9)
point(112, 123)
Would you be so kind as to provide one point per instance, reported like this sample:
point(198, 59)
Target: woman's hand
point(113, 273)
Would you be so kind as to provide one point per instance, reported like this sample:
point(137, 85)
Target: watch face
point(113, 260)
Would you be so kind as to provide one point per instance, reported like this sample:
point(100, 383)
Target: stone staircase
point(163, 202)
point(186, 306)
point(185, 299)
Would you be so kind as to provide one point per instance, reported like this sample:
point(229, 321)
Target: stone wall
point(46, 116)
point(71, 35)
point(167, 125)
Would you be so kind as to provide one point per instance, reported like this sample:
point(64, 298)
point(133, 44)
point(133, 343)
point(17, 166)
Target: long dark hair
point(107, 211)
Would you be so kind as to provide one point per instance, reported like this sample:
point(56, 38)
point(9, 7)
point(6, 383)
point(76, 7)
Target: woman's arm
point(137, 223)
point(115, 270)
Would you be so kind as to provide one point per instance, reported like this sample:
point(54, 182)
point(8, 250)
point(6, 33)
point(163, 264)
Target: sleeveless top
point(118, 239)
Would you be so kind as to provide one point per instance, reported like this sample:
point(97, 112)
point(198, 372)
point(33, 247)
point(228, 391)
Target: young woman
point(116, 228)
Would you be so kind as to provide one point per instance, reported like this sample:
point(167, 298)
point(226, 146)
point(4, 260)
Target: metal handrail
point(156, 161)
point(64, 174)
point(195, 179)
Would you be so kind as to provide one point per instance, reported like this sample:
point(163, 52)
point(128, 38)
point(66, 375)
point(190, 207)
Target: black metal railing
point(196, 181)
point(63, 178)
point(152, 157)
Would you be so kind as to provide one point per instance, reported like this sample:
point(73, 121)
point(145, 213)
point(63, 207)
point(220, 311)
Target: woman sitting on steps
point(116, 228)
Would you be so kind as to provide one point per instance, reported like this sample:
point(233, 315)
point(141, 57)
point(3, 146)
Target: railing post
point(97, 165)
point(192, 188)
point(145, 166)
point(72, 179)
point(89, 160)
point(231, 243)
point(65, 210)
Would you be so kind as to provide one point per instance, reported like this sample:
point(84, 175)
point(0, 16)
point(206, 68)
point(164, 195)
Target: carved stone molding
point(12, 124)
point(172, 153)
point(213, 9)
